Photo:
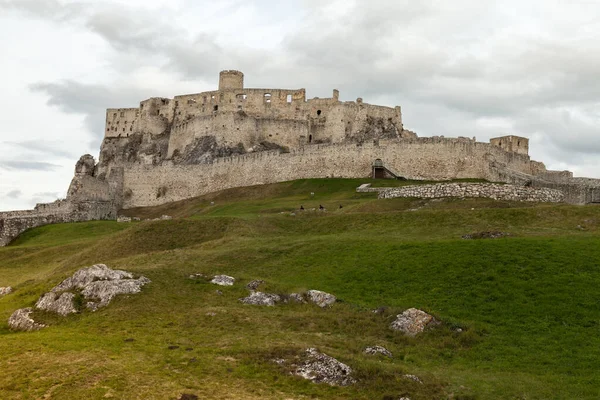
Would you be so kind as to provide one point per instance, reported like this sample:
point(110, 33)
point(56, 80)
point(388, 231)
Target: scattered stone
point(374, 350)
point(223, 280)
point(486, 235)
point(197, 276)
point(278, 361)
point(211, 314)
point(321, 368)
point(5, 290)
point(298, 298)
point(122, 218)
point(254, 284)
point(166, 217)
point(136, 218)
point(321, 299)
point(20, 320)
point(219, 293)
point(413, 378)
point(412, 322)
point(61, 304)
point(261, 299)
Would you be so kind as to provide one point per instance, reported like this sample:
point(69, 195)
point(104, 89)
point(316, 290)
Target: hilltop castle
point(172, 149)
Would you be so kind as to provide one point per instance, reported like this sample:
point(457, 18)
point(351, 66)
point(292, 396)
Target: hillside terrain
point(520, 314)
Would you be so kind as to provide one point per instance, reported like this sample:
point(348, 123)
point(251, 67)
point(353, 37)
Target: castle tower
point(231, 79)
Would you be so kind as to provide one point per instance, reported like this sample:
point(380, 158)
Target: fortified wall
point(172, 149)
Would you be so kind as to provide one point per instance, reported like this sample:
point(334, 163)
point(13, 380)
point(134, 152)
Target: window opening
point(289, 98)
point(318, 112)
point(309, 138)
point(267, 97)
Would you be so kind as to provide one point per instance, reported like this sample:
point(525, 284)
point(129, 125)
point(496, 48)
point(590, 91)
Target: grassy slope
point(528, 304)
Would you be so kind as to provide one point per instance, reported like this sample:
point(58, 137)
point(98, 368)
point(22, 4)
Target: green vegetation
point(528, 304)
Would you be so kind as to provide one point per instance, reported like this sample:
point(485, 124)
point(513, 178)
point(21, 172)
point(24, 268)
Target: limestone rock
point(321, 299)
point(413, 378)
point(374, 350)
point(412, 322)
point(85, 276)
point(223, 280)
point(20, 320)
point(261, 299)
point(321, 368)
point(104, 291)
point(61, 304)
point(122, 218)
point(5, 290)
point(254, 284)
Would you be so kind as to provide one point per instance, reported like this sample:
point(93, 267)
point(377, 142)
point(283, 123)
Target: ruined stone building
point(172, 149)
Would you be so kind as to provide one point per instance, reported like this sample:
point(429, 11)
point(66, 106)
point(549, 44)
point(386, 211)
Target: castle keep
point(172, 149)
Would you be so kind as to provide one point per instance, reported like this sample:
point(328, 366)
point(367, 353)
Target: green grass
point(528, 304)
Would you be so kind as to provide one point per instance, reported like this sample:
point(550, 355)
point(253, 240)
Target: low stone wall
point(13, 223)
point(487, 190)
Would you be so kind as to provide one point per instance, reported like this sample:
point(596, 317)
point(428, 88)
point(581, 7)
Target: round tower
point(231, 79)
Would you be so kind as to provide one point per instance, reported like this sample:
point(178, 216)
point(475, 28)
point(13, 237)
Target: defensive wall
point(432, 158)
point(463, 190)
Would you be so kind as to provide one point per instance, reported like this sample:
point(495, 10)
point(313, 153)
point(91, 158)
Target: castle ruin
point(172, 149)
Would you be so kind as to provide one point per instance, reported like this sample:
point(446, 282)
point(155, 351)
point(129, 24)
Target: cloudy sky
point(462, 68)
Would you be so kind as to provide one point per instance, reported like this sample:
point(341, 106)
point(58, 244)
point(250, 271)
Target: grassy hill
point(528, 304)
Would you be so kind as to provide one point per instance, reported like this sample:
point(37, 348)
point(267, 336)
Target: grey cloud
point(45, 147)
point(14, 194)
point(28, 166)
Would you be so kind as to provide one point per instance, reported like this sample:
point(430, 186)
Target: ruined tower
point(231, 79)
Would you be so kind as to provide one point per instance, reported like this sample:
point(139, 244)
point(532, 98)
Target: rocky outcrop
point(413, 321)
point(223, 280)
point(21, 320)
point(60, 304)
point(374, 350)
point(97, 284)
point(261, 299)
point(297, 297)
point(321, 368)
point(253, 285)
point(322, 299)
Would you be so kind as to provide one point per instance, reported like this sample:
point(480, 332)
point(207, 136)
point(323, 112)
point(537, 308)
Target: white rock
point(261, 299)
point(322, 299)
point(412, 322)
point(5, 290)
point(223, 280)
point(20, 320)
point(374, 350)
point(85, 276)
point(321, 368)
point(60, 304)
point(102, 292)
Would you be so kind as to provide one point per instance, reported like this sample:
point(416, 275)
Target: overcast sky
point(458, 68)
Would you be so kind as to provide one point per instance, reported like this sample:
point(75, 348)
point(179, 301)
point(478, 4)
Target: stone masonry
point(170, 149)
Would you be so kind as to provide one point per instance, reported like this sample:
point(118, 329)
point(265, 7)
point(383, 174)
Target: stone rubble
point(223, 280)
point(297, 297)
point(374, 350)
point(122, 218)
point(261, 299)
point(321, 368)
point(322, 299)
point(20, 320)
point(413, 378)
point(412, 322)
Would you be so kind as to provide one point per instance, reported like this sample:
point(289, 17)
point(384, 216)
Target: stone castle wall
point(423, 158)
point(462, 190)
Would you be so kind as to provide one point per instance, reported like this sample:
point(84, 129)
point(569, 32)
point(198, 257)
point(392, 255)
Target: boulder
point(85, 276)
point(374, 350)
point(261, 299)
point(412, 322)
point(223, 280)
point(5, 290)
point(321, 368)
point(61, 304)
point(254, 284)
point(321, 299)
point(21, 320)
point(104, 291)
